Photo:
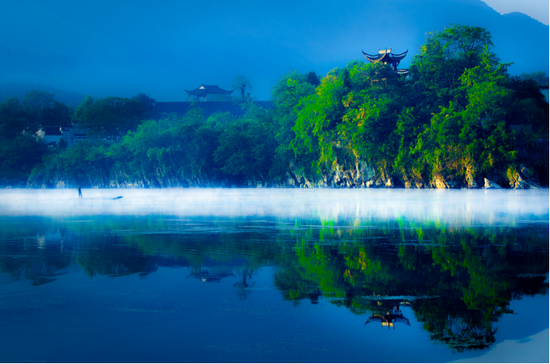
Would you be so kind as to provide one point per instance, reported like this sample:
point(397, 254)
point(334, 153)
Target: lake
point(274, 275)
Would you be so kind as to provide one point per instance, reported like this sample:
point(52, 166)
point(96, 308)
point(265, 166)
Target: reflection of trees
point(37, 259)
point(243, 286)
point(463, 329)
point(460, 280)
point(115, 260)
point(292, 285)
point(118, 246)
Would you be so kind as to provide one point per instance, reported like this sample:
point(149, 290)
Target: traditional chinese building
point(206, 90)
point(390, 318)
point(386, 56)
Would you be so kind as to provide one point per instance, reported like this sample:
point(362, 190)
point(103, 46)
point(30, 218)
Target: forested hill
point(458, 120)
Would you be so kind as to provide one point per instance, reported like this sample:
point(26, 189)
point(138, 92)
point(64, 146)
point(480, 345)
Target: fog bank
point(449, 207)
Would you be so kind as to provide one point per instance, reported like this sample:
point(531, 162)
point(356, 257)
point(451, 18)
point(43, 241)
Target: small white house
point(52, 135)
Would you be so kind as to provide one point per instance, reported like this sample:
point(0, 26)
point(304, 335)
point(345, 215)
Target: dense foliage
point(449, 122)
point(457, 118)
point(20, 150)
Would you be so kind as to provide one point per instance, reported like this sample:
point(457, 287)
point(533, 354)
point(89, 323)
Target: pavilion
point(390, 318)
point(206, 90)
point(386, 56)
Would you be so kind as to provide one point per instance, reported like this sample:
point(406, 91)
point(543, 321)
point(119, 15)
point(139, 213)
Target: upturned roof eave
point(387, 57)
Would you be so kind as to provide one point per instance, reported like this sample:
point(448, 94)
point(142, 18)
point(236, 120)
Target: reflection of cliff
point(459, 282)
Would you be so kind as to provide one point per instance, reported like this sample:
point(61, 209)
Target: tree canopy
point(111, 117)
point(457, 118)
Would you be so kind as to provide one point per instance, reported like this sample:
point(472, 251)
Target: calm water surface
point(214, 275)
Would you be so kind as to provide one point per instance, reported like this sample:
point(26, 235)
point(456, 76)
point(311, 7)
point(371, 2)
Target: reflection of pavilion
point(390, 318)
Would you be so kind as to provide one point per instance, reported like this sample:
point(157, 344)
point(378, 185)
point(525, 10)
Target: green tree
point(540, 77)
point(83, 163)
point(246, 147)
point(35, 102)
point(111, 117)
point(18, 156)
point(14, 120)
point(286, 95)
point(160, 152)
point(58, 114)
point(350, 117)
point(43, 110)
point(469, 139)
point(442, 60)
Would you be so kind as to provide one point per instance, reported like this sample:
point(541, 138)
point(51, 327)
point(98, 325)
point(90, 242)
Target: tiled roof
point(208, 90)
point(385, 56)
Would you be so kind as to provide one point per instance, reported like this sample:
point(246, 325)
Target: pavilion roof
point(386, 56)
point(204, 90)
point(390, 318)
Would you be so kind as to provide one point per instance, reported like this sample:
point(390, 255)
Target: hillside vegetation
point(457, 119)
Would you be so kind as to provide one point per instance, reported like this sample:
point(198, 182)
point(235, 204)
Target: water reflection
point(459, 281)
point(456, 279)
point(38, 259)
point(391, 317)
point(211, 274)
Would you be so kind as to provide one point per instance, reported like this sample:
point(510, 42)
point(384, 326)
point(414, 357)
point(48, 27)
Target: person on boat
point(79, 192)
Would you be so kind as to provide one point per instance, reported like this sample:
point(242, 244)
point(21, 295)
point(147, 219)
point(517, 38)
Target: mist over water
point(455, 207)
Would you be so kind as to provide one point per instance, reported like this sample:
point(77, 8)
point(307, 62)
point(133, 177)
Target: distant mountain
point(162, 50)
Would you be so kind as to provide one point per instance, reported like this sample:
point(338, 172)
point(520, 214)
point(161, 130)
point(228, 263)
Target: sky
point(120, 48)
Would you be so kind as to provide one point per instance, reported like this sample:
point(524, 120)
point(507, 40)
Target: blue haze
point(121, 48)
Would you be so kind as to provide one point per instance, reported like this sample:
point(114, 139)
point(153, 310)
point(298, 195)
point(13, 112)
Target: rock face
point(439, 182)
point(358, 174)
point(470, 179)
point(524, 178)
point(361, 175)
point(491, 185)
